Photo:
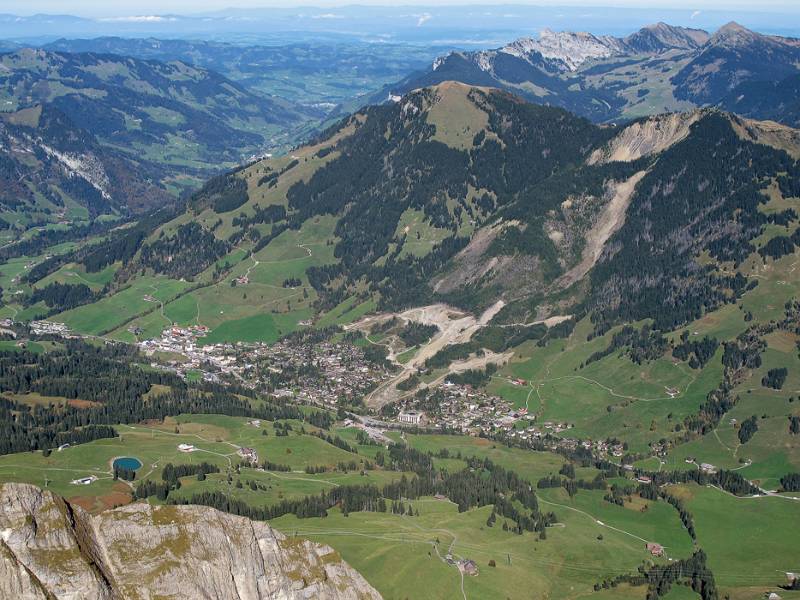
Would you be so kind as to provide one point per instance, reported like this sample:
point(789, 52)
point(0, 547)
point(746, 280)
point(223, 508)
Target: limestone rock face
point(51, 549)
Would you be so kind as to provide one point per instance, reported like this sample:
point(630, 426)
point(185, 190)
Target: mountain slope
point(52, 170)
point(472, 196)
point(50, 548)
point(662, 37)
point(190, 120)
point(731, 57)
point(773, 100)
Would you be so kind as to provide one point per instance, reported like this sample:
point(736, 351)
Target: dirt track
point(455, 327)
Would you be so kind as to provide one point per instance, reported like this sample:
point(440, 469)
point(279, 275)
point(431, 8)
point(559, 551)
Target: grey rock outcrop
point(51, 549)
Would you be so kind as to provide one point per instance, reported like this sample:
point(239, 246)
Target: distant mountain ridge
point(185, 120)
point(567, 51)
point(659, 68)
point(286, 71)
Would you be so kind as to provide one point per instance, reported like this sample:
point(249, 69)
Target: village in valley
point(323, 373)
point(312, 369)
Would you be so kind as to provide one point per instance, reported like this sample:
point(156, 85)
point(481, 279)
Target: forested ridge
point(703, 194)
point(520, 170)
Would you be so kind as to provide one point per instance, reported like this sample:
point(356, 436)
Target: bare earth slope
point(51, 549)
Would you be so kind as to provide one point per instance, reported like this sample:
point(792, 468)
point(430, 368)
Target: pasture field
point(528, 464)
point(216, 438)
point(419, 235)
point(74, 274)
point(402, 556)
point(772, 451)
point(610, 397)
point(348, 311)
point(260, 310)
point(115, 311)
point(279, 485)
point(750, 542)
point(36, 347)
point(644, 519)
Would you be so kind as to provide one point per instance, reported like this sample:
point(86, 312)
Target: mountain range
point(168, 113)
point(659, 68)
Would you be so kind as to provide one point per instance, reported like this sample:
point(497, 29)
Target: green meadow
point(751, 542)
point(402, 556)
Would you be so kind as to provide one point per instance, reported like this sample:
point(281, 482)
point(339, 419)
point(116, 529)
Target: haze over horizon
point(189, 7)
point(456, 24)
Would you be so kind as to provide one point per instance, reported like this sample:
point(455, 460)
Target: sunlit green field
point(216, 437)
point(751, 542)
point(398, 555)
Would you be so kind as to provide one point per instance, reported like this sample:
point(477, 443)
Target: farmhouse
point(655, 549)
point(468, 567)
point(249, 454)
point(84, 480)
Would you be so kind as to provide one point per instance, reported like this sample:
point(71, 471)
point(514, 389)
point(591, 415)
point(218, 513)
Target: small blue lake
point(127, 462)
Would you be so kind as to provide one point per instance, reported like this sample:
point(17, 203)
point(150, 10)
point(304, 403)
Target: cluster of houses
point(176, 339)
point(49, 328)
point(461, 408)
point(321, 373)
point(211, 360)
point(474, 412)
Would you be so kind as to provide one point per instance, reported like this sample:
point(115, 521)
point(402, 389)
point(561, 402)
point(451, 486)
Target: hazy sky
point(140, 7)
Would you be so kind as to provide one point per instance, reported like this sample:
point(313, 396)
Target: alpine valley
point(525, 324)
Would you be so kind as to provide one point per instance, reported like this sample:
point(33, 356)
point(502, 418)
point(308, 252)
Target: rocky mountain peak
point(732, 35)
point(571, 49)
point(52, 549)
point(661, 36)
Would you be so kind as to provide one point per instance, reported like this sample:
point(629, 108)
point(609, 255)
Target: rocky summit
point(53, 549)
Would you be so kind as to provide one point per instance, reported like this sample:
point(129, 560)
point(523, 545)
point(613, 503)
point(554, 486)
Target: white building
point(412, 417)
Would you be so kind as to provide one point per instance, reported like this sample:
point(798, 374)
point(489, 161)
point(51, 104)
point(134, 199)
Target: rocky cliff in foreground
point(52, 549)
